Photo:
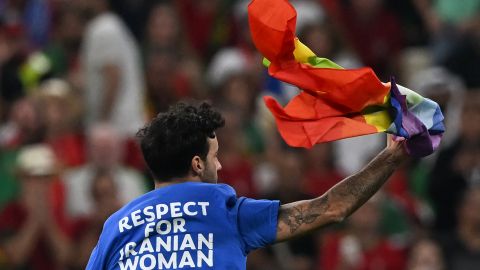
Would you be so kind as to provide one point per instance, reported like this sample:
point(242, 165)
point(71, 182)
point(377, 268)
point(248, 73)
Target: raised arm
point(341, 200)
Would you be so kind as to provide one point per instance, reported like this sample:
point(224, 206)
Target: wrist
point(397, 152)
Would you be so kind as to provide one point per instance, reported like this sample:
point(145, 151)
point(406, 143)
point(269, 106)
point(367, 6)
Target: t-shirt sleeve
point(257, 222)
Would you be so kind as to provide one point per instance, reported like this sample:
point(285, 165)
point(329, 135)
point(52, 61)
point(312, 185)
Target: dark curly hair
point(173, 138)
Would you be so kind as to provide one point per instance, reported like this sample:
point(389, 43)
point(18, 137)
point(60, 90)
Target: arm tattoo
point(295, 216)
point(339, 202)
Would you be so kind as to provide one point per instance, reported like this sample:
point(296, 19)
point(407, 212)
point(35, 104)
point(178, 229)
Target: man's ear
point(197, 165)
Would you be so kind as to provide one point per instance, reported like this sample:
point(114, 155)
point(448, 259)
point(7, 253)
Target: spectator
point(24, 125)
point(171, 77)
point(33, 230)
point(114, 89)
point(61, 111)
point(172, 70)
point(87, 229)
point(104, 147)
point(457, 166)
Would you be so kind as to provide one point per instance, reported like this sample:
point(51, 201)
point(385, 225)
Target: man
point(33, 230)
point(114, 86)
point(105, 152)
point(190, 221)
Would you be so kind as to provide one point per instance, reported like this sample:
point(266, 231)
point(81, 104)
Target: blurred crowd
point(78, 78)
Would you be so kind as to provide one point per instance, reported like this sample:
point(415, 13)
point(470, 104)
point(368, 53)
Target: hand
point(396, 145)
point(36, 200)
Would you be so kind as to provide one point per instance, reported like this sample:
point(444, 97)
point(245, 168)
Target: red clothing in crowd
point(69, 149)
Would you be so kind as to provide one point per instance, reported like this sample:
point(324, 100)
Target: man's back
point(186, 225)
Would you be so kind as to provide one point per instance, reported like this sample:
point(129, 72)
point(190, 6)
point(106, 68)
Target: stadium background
point(54, 53)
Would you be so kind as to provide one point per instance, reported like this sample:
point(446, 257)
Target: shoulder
point(225, 189)
point(221, 193)
point(219, 189)
point(222, 188)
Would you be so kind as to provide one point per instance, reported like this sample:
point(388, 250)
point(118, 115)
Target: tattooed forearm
point(293, 217)
point(303, 213)
point(340, 201)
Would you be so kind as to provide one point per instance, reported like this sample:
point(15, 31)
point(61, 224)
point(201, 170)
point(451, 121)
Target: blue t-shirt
point(186, 226)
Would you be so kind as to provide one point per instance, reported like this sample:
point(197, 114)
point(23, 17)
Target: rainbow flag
point(336, 103)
